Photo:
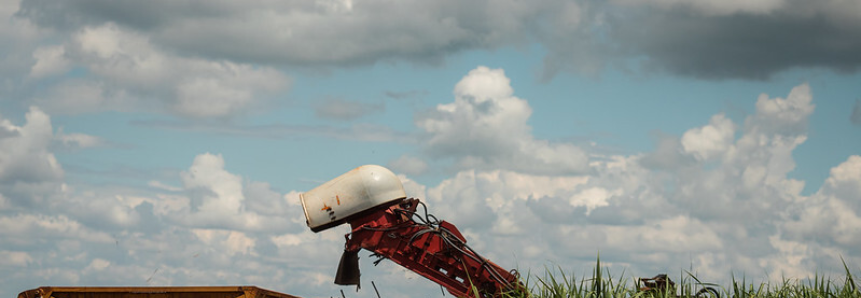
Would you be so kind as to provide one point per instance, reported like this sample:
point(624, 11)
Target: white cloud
point(29, 172)
point(792, 259)
point(784, 115)
point(732, 209)
point(14, 258)
point(80, 95)
point(667, 154)
point(485, 128)
point(113, 235)
point(102, 211)
point(475, 199)
point(127, 72)
point(98, 264)
point(206, 97)
point(412, 188)
point(833, 214)
point(633, 215)
point(710, 141)
point(677, 234)
point(845, 179)
point(21, 228)
point(581, 36)
point(49, 61)
point(751, 179)
point(162, 186)
point(235, 242)
point(726, 203)
point(412, 29)
point(591, 198)
point(20, 37)
point(219, 199)
point(221, 191)
point(261, 199)
point(77, 140)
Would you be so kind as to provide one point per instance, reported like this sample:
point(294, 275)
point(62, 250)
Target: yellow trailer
point(152, 292)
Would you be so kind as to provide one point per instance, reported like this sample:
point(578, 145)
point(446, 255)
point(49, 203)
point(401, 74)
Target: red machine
point(371, 199)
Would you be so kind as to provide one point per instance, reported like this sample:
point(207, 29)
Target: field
point(555, 283)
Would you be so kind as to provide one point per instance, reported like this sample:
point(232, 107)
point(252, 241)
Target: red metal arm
point(435, 250)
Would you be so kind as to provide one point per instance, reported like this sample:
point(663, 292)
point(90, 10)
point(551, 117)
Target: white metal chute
point(358, 190)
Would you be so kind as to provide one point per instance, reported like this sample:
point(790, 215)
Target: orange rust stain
point(326, 208)
point(339, 200)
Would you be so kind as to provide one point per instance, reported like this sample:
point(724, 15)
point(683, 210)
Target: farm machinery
point(372, 200)
point(663, 286)
point(385, 222)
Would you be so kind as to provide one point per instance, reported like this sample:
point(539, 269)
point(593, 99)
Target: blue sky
point(167, 143)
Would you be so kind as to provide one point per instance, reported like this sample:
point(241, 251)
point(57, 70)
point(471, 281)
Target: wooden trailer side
point(152, 292)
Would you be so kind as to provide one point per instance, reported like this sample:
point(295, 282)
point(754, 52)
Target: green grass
point(555, 283)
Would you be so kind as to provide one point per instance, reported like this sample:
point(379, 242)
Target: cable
point(431, 224)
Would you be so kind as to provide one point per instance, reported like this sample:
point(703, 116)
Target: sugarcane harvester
point(385, 222)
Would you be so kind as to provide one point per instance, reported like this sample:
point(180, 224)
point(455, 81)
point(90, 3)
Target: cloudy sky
point(166, 142)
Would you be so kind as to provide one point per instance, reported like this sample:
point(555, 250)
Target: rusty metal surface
point(153, 292)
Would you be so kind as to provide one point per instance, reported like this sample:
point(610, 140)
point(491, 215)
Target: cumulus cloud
point(751, 179)
point(14, 258)
point(728, 205)
point(216, 228)
point(77, 140)
point(485, 128)
point(845, 179)
point(310, 32)
point(21, 39)
point(49, 61)
point(784, 115)
point(32, 179)
point(104, 211)
point(833, 214)
point(667, 154)
point(231, 230)
point(29, 172)
point(19, 227)
point(553, 219)
point(193, 60)
point(220, 192)
point(722, 199)
point(127, 72)
point(218, 199)
point(314, 34)
point(710, 141)
point(235, 242)
point(474, 199)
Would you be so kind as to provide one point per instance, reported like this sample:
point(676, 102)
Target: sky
point(167, 142)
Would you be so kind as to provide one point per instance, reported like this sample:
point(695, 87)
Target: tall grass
point(556, 283)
